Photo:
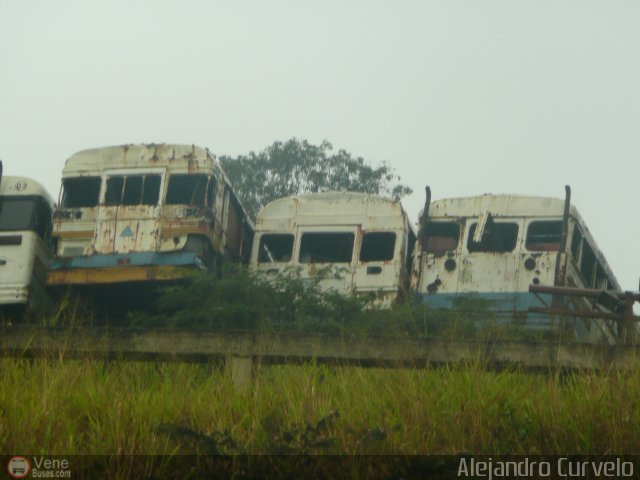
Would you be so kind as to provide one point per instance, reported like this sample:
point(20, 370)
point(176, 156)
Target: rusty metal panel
point(130, 214)
point(502, 276)
point(481, 271)
point(185, 158)
point(93, 276)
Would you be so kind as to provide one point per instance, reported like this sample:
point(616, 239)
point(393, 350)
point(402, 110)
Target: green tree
point(296, 166)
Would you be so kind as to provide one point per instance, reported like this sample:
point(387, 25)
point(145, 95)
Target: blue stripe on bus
point(507, 307)
point(128, 260)
point(494, 301)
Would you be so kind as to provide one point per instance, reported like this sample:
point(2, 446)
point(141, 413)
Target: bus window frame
point(260, 256)
point(327, 232)
point(132, 172)
point(76, 178)
point(177, 175)
point(430, 249)
point(472, 228)
point(553, 247)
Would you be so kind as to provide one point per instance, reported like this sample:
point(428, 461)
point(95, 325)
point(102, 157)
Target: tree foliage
point(296, 166)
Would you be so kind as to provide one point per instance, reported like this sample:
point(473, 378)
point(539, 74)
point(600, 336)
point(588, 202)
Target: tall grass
point(54, 406)
point(85, 407)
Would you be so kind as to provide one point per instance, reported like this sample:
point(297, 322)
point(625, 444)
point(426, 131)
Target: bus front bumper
point(13, 294)
point(120, 268)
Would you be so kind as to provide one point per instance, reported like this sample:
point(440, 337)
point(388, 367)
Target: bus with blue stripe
point(493, 247)
point(145, 213)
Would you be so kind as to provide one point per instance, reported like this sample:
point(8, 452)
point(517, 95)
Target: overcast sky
point(468, 97)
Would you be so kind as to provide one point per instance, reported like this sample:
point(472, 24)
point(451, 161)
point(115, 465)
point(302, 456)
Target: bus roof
point(23, 186)
point(506, 205)
point(332, 208)
point(188, 158)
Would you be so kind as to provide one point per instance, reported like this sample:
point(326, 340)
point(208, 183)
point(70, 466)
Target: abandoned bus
point(145, 212)
point(493, 247)
point(359, 242)
point(25, 242)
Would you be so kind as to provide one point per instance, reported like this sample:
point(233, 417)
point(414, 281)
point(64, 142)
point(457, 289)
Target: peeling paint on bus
point(150, 198)
point(358, 242)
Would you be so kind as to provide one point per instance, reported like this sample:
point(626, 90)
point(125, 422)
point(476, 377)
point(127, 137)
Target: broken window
point(185, 189)
point(113, 196)
point(587, 264)
point(497, 238)
point(211, 191)
point(601, 277)
point(151, 190)
point(80, 192)
point(275, 247)
point(377, 246)
point(440, 237)
point(326, 247)
point(544, 236)
point(133, 190)
point(575, 243)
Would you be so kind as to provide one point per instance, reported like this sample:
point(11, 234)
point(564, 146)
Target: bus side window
point(211, 192)
point(377, 246)
point(497, 238)
point(235, 222)
point(411, 245)
point(575, 243)
point(544, 236)
point(42, 220)
point(441, 237)
point(601, 277)
point(587, 264)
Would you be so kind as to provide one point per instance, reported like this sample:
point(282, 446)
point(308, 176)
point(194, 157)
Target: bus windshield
point(16, 214)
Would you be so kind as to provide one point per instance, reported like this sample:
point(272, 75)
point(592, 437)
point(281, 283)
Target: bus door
point(328, 252)
point(538, 258)
point(441, 257)
point(379, 264)
point(489, 266)
point(128, 220)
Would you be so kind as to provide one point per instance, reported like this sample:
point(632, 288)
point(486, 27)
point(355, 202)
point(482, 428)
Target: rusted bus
point(25, 242)
point(492, 247)
point(358, 242)
point(144, 212)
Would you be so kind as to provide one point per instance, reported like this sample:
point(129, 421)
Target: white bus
point(360, 242)
point(25, 243)
point(492, 247)
point(138, 213)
